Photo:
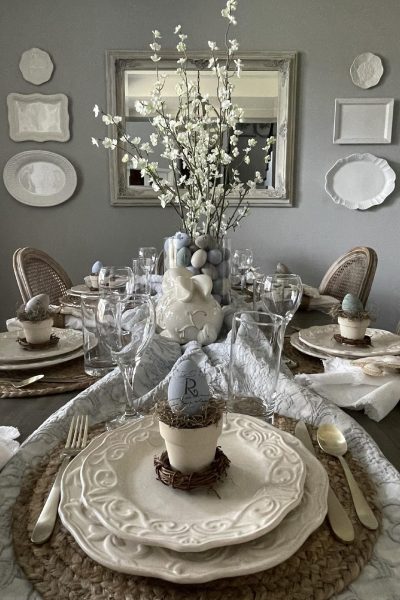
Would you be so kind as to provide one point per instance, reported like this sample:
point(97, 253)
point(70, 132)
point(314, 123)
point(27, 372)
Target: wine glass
point(243, 260)
point(127, 327)
point(116, 281)
point(148, 258)
point(281, 294)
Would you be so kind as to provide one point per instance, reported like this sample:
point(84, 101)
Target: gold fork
point(76, 441)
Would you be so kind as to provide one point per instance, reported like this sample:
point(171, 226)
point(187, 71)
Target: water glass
point(242, 259)
point(97, 357)
point(116, 281)
point(256, 347)
point(148, 258)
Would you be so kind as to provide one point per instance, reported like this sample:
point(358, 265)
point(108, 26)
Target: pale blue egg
point(223, 269)
point(199, 258)
point(96, 267)
point(352, 304)
point(183, 257)
point(188, 389)
point(193, 270)
point(214, 256)
point(41, 300)
point(203, 241)
point(181, 240)
point(221, 286)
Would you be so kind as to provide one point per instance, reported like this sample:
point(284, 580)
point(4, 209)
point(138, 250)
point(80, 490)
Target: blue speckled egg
point(183, 257)
point(352, 304)
point(181, 240)
point(96, 267)
point(41, 300)
point(214, 256)
point(188, 390)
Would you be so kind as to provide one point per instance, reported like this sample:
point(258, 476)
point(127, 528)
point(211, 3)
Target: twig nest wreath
point(187, 311)
point(36, 319)
point(190, 423)
point(353, 321)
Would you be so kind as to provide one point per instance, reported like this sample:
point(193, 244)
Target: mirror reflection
point(265, 91)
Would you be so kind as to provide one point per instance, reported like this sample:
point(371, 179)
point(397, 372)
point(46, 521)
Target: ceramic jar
point(203, 255)
point(191, 450)
point(353, 329)
point(37, 332)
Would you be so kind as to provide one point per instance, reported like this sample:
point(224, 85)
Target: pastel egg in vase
point(353, 319)
point(36, 319)
point(191, 422)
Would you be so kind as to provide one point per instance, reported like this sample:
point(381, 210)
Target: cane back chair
point(38, 273)
point(352, 273)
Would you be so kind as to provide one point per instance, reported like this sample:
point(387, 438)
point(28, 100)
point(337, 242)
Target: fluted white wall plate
point(127, 556)
point(366, 70)
point(38, 117)
point(264, 483)
point(36, 66)
point(40, 178)
point(360, 181)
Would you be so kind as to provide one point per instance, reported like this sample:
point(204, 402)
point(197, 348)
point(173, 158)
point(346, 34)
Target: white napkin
point(13, 324)
point(8, 445)
point(347, 386)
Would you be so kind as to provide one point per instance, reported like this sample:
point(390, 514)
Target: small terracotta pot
point(351, 329)
point(37, 332)
point(191, 450)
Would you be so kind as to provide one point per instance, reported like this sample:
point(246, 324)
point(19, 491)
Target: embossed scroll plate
point(321, 338)
point(265, 482)
point(134, 558)
point(12, 352)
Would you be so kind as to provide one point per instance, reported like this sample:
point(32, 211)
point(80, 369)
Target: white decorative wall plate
point(360, 181)
point(40, 178)
point(363, 121)
point(36, 66)
point(38, 117)
point(366, 70)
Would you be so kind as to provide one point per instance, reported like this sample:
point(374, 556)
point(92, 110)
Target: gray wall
point(327, 34)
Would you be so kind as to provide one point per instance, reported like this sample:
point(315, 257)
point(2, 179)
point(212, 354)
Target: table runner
point(320, 567)
point(379, 579)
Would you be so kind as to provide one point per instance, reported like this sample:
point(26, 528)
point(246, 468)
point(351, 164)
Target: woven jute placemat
point(64, 377)
point(321, 568)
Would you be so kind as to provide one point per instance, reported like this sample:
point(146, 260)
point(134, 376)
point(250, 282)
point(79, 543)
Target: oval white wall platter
point(40, 178)
point(360, 181)
point(366, 70)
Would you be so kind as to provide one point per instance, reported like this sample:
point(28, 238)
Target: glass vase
point(203, 255)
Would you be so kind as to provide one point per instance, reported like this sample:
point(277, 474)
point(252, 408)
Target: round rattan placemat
point(65, 377)
point(321, 568)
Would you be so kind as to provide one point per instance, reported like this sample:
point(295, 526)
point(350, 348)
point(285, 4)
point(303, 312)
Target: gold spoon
point(332, 441)
point(23, 382)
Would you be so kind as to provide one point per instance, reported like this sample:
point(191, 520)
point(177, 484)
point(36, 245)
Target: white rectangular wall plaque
point(363, 121)
point(38, 117)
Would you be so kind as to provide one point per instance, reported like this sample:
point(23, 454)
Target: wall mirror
point(265, 90)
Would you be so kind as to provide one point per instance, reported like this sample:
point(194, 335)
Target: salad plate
point(12, 352)
point(321, 338)
point(299, 345)
point(128, 556)
point(360, 181)
point(265, 481)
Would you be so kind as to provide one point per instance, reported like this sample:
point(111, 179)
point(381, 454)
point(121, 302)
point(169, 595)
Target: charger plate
point(264, 483)
point(11, 352)
point(128, 556)
point(321, 338)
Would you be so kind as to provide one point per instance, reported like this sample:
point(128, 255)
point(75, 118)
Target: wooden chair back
point(352, 273)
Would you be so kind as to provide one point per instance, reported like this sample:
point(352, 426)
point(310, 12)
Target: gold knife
point(341, 525)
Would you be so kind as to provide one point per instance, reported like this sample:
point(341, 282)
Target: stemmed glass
point(127, 327)
point(243, 260)
point(148, 258)
point(116, 281)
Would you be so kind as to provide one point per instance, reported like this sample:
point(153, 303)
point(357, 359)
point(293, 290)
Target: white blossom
point(156, 34)
point(96, 110)
point(95, 142)
point(155, 57)
point(109, 143)
point(125, 158)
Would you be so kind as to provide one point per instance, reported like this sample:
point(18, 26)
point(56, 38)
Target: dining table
point(367, 569)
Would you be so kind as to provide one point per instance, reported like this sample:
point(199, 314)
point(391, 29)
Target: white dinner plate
point(321, 338)
point(296, 342)
point(127, 556)
point(360, 181)
point(40, 364)
point(81, 290)
point(264, 483)
point(12, 352)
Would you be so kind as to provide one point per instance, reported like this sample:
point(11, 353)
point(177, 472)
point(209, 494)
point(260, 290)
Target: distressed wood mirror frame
point(284, 63)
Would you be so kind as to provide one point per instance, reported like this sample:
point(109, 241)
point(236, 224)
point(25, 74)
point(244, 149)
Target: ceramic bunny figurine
point(187, 311)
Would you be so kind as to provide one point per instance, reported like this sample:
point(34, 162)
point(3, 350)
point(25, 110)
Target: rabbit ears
point(186, 287)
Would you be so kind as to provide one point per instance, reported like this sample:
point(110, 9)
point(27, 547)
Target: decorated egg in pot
point(188, 389)
point(352, 304)
point(41, 301)
point(96, 267)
